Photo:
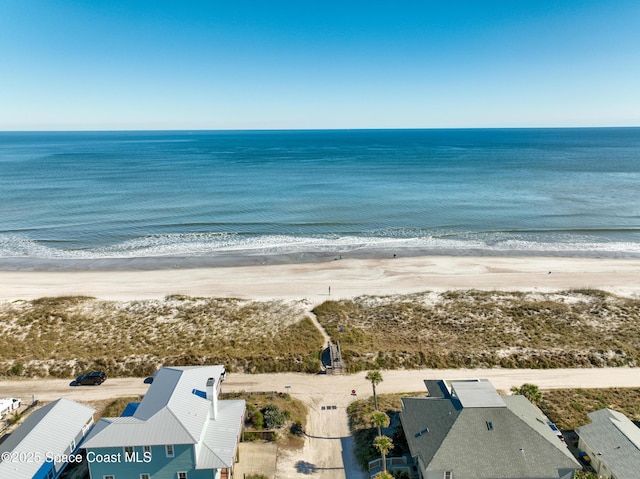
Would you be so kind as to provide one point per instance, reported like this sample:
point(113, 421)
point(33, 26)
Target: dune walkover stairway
point(332, 359)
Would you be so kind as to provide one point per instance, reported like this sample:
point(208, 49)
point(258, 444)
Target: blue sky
point(153, 64)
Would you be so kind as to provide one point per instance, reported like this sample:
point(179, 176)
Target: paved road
point(328, 452)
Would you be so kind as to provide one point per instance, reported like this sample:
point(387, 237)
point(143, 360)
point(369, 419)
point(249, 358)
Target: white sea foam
point(196, 245)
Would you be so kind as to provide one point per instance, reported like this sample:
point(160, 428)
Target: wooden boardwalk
point(337, 366)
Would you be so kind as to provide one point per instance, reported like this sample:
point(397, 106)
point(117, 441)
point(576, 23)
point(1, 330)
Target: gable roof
point(176, 410)
point(494, 441)
point(49, 429)
point(615, 439)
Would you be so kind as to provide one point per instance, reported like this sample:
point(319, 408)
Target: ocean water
point(197, 197)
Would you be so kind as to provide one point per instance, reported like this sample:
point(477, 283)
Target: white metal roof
point(476, 394)
point(175, 411)
point(49, 429)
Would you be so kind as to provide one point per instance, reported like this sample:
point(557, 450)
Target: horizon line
point(159, 130)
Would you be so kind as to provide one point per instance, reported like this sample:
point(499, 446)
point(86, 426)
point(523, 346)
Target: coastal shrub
point(66, 336)
point(568, 408)
point(255, 418)
point(474, 329)
point(359, 414)
point(296, 428)
point(273, 416)
point(255, 476)
point(116, 407)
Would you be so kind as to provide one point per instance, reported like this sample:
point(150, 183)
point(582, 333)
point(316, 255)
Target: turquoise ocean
point(180, 198)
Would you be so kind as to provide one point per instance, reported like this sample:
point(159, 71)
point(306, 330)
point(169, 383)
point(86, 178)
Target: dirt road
point(326, 389)
point(327, 453)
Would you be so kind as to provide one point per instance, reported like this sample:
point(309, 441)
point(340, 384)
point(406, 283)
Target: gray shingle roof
point(49, 429)
point(174, 411)
point(512, 441)
point(616, 440)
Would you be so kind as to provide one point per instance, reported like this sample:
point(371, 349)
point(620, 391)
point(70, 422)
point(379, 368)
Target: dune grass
point(65, 336)
point(454, 329)
point(568, 408)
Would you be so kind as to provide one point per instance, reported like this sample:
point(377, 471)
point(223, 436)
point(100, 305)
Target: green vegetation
point(586, 475)
point(530, 391)
point(66, 336)
point(361, 422)
point(277, 412)
point(568, 408)
point(376, 378)
point(116, 407)
point(383, 444)
point(583, 328)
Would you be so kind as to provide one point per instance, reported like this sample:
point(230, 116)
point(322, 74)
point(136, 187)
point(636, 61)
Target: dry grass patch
point(568, 408)
point(484, 329)
point(65, 336)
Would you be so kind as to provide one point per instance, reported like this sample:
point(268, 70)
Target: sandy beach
point(342, 278)
point(329, 446)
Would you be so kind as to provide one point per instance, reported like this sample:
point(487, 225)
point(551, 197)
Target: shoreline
point(228, 259)
point(347, 278)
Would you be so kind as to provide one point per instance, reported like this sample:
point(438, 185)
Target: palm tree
point(384, 445)
point(530, 391)
point(380, 419)
point(376, 378)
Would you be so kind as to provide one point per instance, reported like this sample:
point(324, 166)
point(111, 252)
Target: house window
point(108, 477)
point(182, 475)
point(72, 446)
point(448, 474)
point(146, 451)
point(145, 476)
point(128, 451)
point(169, 450)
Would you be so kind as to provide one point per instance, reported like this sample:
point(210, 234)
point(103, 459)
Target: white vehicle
point(8, 405)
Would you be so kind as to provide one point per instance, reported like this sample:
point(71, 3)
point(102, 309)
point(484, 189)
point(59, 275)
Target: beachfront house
point(180, 430)
point(465, 430)
point(42, 446)
point(612, 442)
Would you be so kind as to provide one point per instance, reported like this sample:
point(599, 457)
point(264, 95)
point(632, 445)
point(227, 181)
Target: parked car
point(94, 378)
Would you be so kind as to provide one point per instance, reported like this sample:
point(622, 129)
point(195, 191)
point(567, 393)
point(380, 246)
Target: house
point(612, 442)
point(180, 430)
point(47, 440)
point(8, 405)
point(465, 430)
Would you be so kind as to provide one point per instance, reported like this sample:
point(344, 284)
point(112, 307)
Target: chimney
point(212, 395)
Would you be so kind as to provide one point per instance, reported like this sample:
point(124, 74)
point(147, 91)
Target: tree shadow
point(304, 467)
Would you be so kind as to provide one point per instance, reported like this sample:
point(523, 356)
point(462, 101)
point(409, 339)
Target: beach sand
point(343, 278)
point(329, 446)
